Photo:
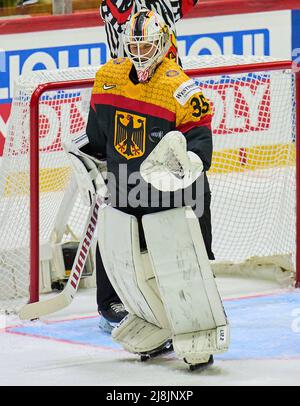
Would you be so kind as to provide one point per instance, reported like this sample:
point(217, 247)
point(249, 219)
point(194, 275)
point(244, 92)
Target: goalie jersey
point(127, 119)
point(116, 13)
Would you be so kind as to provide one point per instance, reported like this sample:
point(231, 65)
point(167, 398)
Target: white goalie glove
point(89, 171)
point(170, 167)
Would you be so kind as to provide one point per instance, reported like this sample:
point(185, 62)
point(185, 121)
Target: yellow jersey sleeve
point(193, 109)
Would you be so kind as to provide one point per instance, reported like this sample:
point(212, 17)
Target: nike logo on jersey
point(108, 87)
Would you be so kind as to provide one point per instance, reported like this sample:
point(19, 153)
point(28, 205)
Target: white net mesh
point(252, 177)
point(253, 172)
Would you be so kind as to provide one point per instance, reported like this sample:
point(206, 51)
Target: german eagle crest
point(130, 135)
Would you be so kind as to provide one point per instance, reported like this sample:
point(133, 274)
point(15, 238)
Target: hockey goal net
point(253, 175)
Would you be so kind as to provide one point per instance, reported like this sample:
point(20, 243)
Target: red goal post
point(235, 85)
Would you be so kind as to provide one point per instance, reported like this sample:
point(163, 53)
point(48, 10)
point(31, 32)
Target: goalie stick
point(35, 310)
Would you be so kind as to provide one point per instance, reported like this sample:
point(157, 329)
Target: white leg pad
point(183, 274)
point(196, 347)
point(129, 271)
point(138, 336)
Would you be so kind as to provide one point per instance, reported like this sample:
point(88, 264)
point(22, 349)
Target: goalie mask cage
point(253, 176)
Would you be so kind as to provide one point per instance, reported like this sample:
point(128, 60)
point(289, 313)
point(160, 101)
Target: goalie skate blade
point(35, 310)
point(202, 366)
point(160, 351)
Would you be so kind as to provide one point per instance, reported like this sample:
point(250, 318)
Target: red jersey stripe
point(137, 106)
point(205, 121)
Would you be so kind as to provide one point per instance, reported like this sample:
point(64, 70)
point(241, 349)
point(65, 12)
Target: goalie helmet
point(146, 41)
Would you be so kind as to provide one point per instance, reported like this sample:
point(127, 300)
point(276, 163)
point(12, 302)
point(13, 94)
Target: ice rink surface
point(68, 348)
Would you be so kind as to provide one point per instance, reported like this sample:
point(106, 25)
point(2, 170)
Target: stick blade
point(33, 311)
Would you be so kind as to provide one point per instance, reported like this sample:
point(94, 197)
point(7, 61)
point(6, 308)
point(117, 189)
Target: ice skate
point(201, 366)
point(163, 349)
point(111, 317)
